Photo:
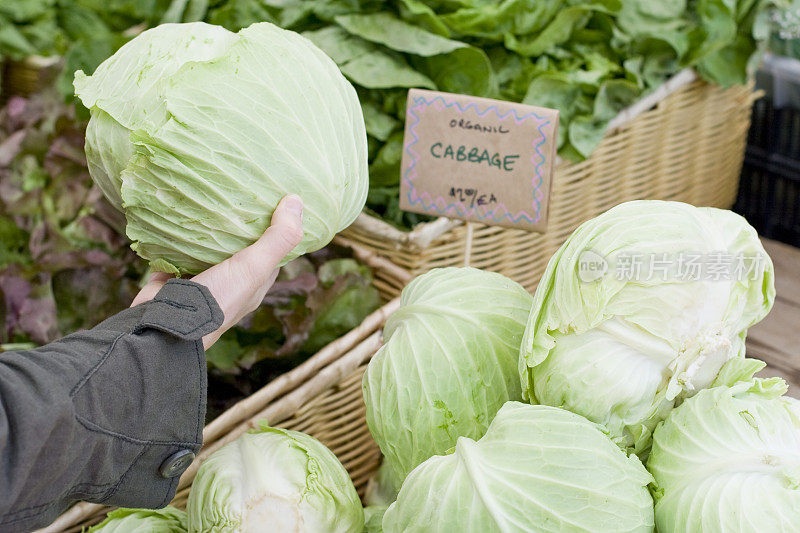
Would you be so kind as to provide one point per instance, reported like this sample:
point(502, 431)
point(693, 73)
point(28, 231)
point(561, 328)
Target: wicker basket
point(336, 415)
point(685, 141)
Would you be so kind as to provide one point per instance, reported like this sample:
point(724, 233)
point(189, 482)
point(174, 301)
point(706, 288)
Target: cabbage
point(166, 520)
point(623, 351)
point(728, 460)
point(447, 365)
point(196, 133)
point(274, 480)
point(538, 468)
point(373, 518)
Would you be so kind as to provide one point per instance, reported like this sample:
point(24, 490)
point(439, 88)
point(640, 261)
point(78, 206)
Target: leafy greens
point(588, 58)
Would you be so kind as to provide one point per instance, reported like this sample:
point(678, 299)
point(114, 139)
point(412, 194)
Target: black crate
point(769, 189)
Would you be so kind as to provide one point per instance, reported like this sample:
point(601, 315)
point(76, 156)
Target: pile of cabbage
point(612, 400)
point(637, 409)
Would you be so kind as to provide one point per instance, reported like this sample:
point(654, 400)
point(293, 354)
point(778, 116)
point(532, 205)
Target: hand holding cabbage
point(240, 283)
point(197, 133)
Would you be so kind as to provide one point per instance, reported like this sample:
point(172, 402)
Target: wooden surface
point(776, 339)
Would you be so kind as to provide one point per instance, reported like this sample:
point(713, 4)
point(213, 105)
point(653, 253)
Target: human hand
point(240, 283)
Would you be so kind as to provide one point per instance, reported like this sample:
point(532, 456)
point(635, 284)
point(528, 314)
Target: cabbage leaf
point(447, 365)
point(537, 469)
point(728, 460)
point(197, 133)
point(622, 346)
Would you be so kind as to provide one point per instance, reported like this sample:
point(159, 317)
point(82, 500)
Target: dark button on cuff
point(183, 308)
point(176, 464)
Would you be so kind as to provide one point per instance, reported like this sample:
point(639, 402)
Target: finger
point(284, 233)
point(239, 283)
point(154, 284)
point(285, 230)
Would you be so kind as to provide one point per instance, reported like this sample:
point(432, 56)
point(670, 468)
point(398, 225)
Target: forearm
point(100, 415)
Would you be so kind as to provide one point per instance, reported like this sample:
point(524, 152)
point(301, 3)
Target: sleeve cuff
point(183, 308)
point(147, 397)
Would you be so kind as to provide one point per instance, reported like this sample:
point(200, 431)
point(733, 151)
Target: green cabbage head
point(639, 309)
point(166, 520)
point(447, 365)
point(537, 469)
point(274, 480)
point(196, 133)
point(728, 461)
point(373, 518)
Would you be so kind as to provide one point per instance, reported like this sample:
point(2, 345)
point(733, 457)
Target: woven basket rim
point(424, 233)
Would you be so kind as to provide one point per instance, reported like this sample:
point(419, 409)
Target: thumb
point(240, 282)
point(284, 233)
point(286, 228)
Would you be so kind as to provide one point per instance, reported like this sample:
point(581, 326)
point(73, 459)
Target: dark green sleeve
point(112, 415)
